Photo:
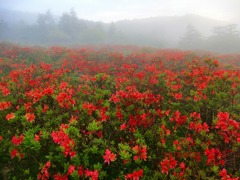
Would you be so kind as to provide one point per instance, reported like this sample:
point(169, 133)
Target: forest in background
point(189, 32)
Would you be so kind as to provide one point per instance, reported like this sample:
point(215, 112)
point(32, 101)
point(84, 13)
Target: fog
point(212, 25)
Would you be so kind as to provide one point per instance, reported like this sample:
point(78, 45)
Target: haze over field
point(187, 24)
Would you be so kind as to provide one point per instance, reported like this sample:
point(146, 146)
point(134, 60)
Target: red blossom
point(60, 177)
point(5, 105)
point(177, 96)
point(213, 156)
point(80, 171)
point(36, 137)
point(178, 118)
point(89, 107)
point(45, 108)
point(5, 91)
point(93, 174)
point(123, 126)
point(223, 173)
point(17, 140)
point(44, 174)
point(14, 153)
point(109, 156)
point(135, 175)
point(61, 138)
point(71, 169)
point(10, 116)
point(168, 163)
point(63, 85)
point(182, 166)
point(30, 117)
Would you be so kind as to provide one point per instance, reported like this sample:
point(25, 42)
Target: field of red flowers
point(118, 113)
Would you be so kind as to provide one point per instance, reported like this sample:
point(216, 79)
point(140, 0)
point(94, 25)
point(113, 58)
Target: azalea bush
point(116, 113)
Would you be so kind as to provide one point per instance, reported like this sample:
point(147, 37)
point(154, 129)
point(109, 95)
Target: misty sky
point(114, 10)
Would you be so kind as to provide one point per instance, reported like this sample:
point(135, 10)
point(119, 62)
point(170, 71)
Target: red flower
point(36, 137)
point(92, 174)
point(213, 156)
point(44, 174)
point(14, 153)
point(178, 118)
point(182, 166)
point(80, 171)
point(89, 107)
point(60, 177)
point(5, 105)
point(5, 91)
point(109, 156)
point(143, 153)
point(173, 162)
point(123, 126)
point(177, 96)
point(61, 138)
point(63, 85)
point(10, 116)
point(135, 175)
point(45, 108)
point(17, 140)
point(1, 138)
point(71, 169)
point(223, 173)
point(168, 163)
point(164, 165)
point(30, 117)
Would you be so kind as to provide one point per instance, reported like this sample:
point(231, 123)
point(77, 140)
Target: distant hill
point(160, 32)
point(168, 29)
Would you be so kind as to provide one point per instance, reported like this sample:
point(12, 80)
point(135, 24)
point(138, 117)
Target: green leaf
point(94, 149)
point(125, 155)
point(97, 166)
point(94, 126)
point(215, 169)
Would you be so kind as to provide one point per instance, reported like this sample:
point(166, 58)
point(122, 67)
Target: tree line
point(69, 29)
point(223, 39)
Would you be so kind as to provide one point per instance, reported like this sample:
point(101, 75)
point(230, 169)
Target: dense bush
point(106, 114)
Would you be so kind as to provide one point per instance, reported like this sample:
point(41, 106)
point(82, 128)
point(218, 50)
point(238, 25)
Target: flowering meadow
point(118, 113)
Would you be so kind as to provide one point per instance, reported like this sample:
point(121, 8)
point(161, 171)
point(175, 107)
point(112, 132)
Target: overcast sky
point(114, 10)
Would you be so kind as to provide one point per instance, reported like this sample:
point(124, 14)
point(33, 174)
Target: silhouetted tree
point(225, 39)
point(45, 26)
point(192, 39)
point(71, 25)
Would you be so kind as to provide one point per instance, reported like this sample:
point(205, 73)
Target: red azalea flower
point(143, 153)
point(30, 117)
point(60, 177)
point(135, 175)
point(10, 116)
point(17, 140)
point(182, 166)
point(93, 174)
point(223, 173)
point(71, 169)
point(109, 156)
point(36, 137)
point(14, 153)
point(80, 171)
point(123, 126)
